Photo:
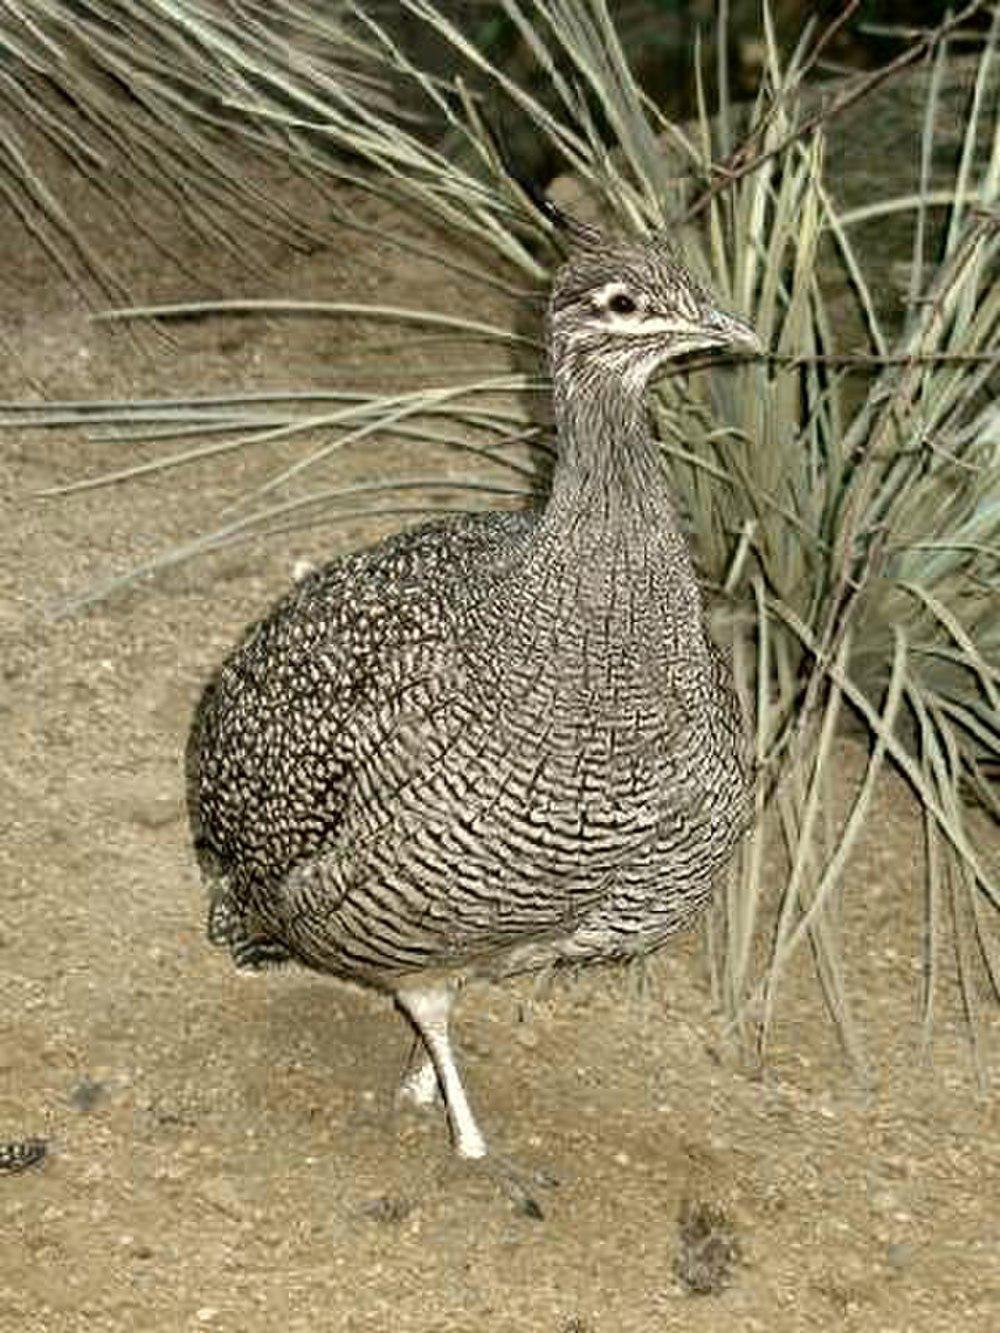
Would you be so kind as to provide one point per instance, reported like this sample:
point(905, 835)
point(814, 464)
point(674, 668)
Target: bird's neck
point(608, 475)
point(602, 598)
point(609, 551)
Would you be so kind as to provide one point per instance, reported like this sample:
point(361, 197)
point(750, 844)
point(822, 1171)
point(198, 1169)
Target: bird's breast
point(539, 769)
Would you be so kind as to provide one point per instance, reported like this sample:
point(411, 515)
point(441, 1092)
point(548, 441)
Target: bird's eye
point(622, 304)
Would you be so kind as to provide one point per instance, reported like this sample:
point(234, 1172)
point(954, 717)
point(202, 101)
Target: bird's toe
point(519, 1185)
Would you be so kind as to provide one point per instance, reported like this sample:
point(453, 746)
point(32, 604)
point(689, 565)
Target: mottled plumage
point(500, 741)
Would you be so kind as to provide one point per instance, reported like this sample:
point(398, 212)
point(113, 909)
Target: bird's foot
point(420, 1086)
point(519, 1185)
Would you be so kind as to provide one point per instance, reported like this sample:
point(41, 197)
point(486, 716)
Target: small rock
point(899, 1255)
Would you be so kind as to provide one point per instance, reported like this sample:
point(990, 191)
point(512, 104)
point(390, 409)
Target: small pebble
point(899, 1255)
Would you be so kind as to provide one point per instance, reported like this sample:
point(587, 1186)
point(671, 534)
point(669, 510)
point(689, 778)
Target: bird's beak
point(732, 331)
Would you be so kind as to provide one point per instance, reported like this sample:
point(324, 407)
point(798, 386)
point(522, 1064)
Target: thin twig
point(867, 361)
point(736, 166)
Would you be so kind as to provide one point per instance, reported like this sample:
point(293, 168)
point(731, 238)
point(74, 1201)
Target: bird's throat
point(608, 487)
point(608, 560)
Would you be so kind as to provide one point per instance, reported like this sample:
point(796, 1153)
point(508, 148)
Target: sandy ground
point(225, 1152)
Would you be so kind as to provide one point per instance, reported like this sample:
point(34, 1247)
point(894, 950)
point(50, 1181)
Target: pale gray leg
point(420, 1084)
point(429, 1010)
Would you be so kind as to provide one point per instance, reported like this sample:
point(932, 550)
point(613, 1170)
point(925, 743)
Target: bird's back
point(284, 726)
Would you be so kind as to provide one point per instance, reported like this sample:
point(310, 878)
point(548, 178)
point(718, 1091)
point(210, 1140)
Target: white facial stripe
point(683, 336)
point(641, 326)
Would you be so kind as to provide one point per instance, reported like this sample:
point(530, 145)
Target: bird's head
point(622, 308)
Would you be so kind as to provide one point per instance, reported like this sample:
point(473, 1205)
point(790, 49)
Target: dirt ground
point(225, 1152)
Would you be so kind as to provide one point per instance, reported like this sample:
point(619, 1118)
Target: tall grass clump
point(138, 99)
point(849, 539)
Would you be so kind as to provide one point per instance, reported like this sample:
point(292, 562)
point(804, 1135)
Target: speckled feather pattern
point(488, 744)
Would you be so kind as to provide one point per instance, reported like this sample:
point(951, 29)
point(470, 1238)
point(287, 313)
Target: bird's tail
point(228, 927)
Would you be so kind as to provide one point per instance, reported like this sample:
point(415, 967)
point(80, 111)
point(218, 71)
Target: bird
point(496, 742)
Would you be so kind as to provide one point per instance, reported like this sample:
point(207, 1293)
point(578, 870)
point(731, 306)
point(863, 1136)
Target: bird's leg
point(419, 1085)
point(429, 1011)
